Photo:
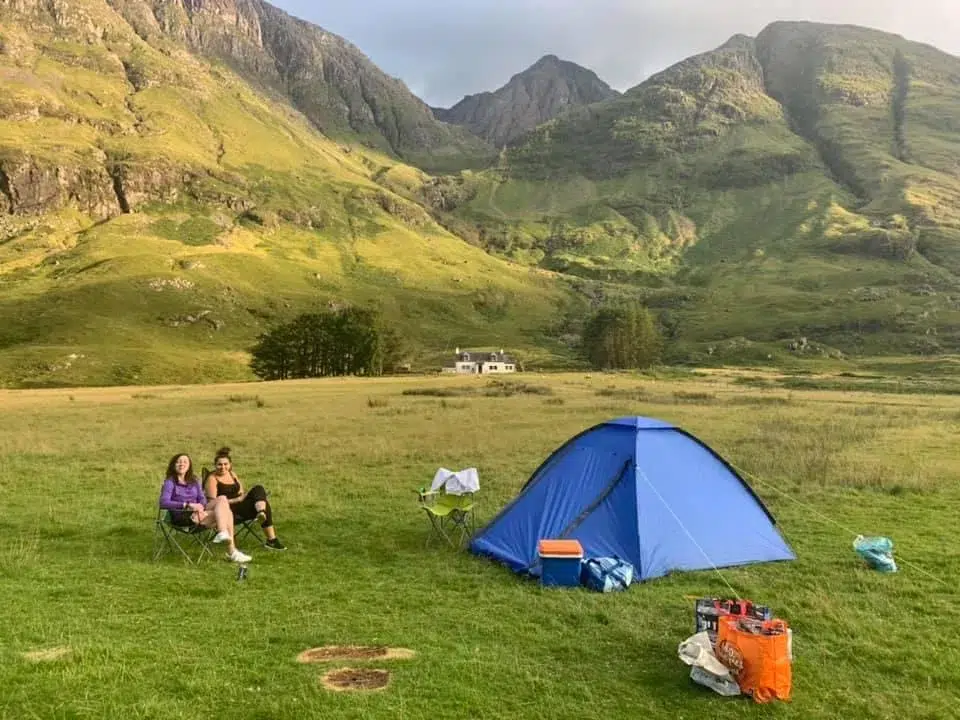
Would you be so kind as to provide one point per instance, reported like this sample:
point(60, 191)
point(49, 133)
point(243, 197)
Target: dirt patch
point(353, 652)
point(349, 679)
point(47, 655)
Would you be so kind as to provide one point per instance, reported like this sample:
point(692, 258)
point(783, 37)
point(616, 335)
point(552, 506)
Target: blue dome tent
point(642, 490)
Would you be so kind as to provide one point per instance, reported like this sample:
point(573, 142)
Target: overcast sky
point(445, 49)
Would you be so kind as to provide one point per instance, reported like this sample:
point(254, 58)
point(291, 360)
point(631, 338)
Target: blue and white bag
point(877, 552)
point(606, 574)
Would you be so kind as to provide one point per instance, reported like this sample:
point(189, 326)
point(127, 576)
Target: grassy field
point(80, 471)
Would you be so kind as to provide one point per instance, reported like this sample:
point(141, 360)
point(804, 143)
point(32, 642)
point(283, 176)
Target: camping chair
point(450, 516)
point(449, 503)
point(191, 541)
point(242, 529)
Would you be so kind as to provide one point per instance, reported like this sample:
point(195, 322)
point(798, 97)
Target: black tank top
point(231, 490)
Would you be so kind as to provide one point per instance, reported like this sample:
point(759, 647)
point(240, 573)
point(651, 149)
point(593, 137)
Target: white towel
point(456, 483)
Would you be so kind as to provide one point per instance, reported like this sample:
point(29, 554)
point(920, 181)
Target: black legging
point(246, 509)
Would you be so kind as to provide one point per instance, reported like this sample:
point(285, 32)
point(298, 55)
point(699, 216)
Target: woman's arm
point(166, 497)
point(240, 493)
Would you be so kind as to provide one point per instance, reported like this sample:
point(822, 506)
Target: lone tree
point(620, 337)
point(349, 341)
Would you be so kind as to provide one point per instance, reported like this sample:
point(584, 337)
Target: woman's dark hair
point(223, 452)
point(172, 468)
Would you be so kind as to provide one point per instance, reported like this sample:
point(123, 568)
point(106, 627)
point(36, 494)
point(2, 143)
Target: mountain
point(532, 97)
point(159, 208)
point(325, 77)
point(800, 184)
point(178, 176)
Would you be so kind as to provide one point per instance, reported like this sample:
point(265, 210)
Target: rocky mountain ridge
point(532, 97)
point(324, 76)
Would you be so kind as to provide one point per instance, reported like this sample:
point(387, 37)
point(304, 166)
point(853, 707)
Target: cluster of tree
point(356, 341)
point(620, 337)
point(348, 341)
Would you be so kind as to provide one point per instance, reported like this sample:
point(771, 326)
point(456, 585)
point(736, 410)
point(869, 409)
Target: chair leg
point(454, 525)
point(257, 533)
point(205, 550)
point(173, 544)
point(461, 521)
point(437, 525)
point(253, 529)
point(240, 533)
point(167, 541)
point(159, 542)
point(185, 554)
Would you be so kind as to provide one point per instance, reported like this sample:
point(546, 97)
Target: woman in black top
point(245, 505)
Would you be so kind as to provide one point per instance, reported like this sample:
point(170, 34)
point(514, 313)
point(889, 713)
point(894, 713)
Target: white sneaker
point(221, 537)
point(239, 557)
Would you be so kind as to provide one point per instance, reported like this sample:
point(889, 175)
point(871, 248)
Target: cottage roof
point(478, 357)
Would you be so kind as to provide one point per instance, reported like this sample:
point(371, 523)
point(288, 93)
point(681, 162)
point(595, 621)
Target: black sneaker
point(275, 544)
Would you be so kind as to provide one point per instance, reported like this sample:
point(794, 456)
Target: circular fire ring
point(356, 679)
point(353, 652)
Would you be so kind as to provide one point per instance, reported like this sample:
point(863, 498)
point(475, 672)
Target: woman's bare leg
point(224, 518)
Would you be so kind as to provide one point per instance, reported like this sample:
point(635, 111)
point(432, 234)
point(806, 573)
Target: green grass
point(80, 470)
point(172, 295)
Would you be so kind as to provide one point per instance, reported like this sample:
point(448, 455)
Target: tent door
point(578, 521)
point(585, 513)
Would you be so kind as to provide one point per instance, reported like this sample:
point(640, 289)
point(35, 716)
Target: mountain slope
point(157, 212)
point(530, 98)
point(165, 196)
point(800, 184)
point(884, 114)
point(327, 78)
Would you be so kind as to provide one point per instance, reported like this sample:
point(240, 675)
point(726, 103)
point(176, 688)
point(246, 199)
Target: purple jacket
point(173, 495)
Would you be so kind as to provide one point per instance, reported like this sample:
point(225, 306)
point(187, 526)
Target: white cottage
point(481, 363)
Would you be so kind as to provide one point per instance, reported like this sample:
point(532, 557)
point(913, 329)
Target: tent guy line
point(831, 521)
point(689, 535)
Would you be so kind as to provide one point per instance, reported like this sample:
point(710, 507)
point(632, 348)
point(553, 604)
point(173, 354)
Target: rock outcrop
point(325, 77)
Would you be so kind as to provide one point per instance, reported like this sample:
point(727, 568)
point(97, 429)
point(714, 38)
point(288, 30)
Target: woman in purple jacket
point(183, 496)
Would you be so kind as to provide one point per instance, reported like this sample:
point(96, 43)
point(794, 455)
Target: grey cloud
point(444, 50)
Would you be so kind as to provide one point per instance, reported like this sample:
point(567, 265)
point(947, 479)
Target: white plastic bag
point(705, 669)
point(725, 686)
point(697, 651)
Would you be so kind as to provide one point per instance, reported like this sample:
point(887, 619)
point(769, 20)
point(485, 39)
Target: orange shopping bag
point(758, 655)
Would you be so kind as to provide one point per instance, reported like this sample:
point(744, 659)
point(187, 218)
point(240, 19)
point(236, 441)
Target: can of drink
point(241, 573)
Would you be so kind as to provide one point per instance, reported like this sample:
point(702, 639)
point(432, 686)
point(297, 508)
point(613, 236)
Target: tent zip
point(578, 521)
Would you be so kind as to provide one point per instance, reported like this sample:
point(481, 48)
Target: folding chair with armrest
point(450, 503)
point(192, 542)
point(451, 516)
